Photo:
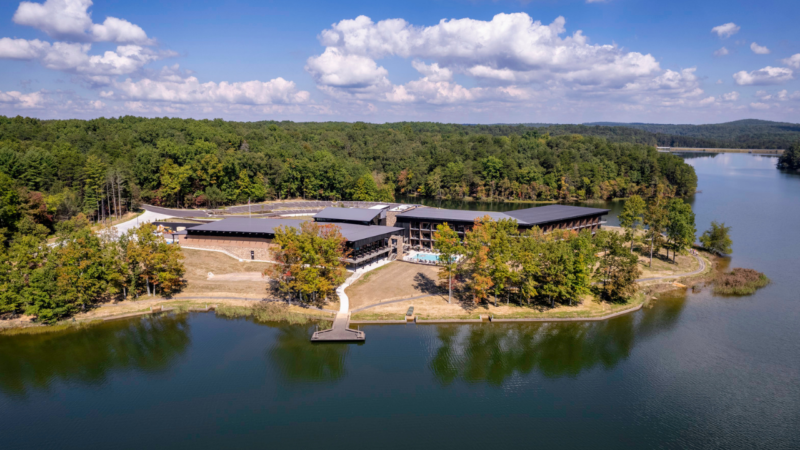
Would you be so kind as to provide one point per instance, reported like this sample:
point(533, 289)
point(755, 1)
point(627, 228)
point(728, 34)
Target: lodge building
point(419, 224)
point(376, 233)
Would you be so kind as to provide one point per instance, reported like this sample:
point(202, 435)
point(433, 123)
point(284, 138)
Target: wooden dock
point(339, 332)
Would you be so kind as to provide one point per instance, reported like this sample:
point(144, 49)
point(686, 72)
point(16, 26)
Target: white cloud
point(721, 52)
point(75, 58)
point(726, 30)
point(719, 81)
point(511, 50)
point(759, 106)
point(707, 101)
point(758, 49)
point(433, 72)
point(71, 20)
point(765, 76)
point(337, 69)
point(780, 95)
point(731, 96)
point(190, 90)
point(793, 61)
point(20, 100)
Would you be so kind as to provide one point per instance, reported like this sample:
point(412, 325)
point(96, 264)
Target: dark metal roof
point(244, 225)
point(351, 214)
point(454, 215)
point(553, 213)
point(527, 216)
point(353, 232)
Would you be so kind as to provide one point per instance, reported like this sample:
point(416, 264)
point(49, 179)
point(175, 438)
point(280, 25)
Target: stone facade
point(243, 248)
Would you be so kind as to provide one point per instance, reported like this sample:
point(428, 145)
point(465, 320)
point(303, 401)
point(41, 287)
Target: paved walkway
point(147, 217)
point(169, 212)
point(340, 331)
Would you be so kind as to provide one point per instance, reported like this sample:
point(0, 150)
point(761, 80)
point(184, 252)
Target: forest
point(747, 134)
point(103, 167)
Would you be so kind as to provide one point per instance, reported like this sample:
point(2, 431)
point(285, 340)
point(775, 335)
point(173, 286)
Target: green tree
point(448, 244)
point(618, 268)
point(790, 159)
point(94, 176)
point(501, 253)
point(477, 266)
point(365, 189)
point(656, 221)
point(717, 239)
point(10, 209)
point(680, 228)
point(632, 217)
point(214, 196)
point(174, 181)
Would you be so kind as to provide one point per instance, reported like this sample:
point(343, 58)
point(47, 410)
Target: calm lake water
point(691, 371)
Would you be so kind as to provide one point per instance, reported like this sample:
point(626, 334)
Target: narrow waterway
point(690, 371)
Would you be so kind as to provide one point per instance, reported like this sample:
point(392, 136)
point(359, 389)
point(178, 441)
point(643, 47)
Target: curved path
point(169, 212)
point(640, 280)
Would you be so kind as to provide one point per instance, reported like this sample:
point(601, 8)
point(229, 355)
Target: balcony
point(361, 257)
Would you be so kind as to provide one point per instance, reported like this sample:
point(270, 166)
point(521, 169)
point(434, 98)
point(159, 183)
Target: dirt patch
point(395, 281)
point(227, 279)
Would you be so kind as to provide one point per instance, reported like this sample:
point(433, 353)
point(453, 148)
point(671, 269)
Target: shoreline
point(198, 302)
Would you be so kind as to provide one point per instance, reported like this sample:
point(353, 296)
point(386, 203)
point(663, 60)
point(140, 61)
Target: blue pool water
point(428, 257)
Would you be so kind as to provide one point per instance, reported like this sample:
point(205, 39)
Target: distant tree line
point(748, 134)
point(105, 167)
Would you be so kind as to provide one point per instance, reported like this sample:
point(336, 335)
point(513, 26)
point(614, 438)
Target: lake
point(689, 371)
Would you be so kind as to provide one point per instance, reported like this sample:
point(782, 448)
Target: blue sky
point(448, 61)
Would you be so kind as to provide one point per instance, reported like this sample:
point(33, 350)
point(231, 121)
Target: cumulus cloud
point(731, 96)
point(767, 75)
point(71, 20)
point(759, 106)
point(170, 88)
point(758, 49)
point(505, 56)
point(191, 90)
point(721, 52)
point(433, 72)
point(792, 61)
point(726, 30)
point(75, 58)
point(25, 101)
point(342, 70)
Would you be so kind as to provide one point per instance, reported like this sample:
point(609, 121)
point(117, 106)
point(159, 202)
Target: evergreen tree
point(94, 175)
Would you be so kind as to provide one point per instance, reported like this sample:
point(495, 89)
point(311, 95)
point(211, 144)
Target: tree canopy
point(102, 167)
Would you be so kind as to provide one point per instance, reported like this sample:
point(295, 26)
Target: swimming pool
point(427, 257)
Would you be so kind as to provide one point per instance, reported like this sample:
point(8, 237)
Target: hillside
point(748, 133)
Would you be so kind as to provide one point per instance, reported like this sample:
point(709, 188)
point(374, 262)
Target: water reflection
point(297, 360)
point(493, 353)
point(34, 362)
